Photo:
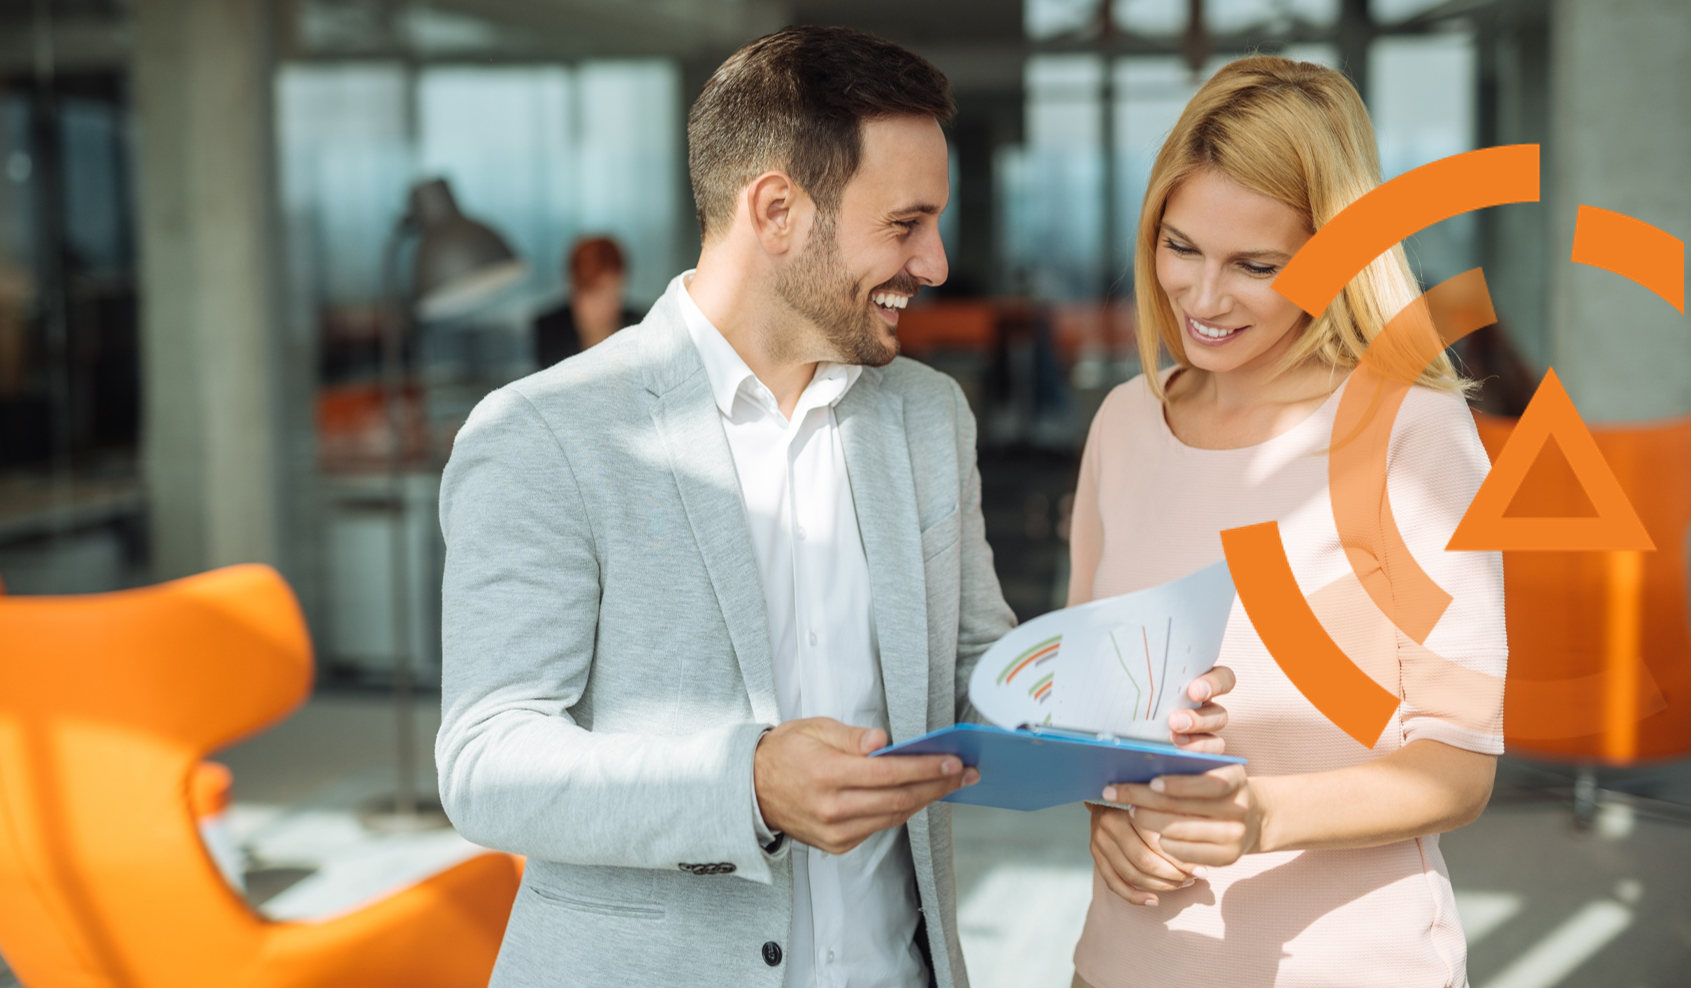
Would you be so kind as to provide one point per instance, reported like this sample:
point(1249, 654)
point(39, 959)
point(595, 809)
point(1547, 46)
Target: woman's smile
point(1210, 334)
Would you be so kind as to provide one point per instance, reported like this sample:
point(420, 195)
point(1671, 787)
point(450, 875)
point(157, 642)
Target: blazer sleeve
point(982, 616)
point(520, 614)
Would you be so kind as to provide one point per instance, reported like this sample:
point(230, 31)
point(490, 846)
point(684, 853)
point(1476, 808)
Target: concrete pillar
point(211, 436)
point(1621, 119)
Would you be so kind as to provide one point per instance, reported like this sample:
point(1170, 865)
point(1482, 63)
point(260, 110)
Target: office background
point(200, 247)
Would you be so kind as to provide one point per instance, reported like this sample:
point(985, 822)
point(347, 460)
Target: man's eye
point(1179, 248)
point(908, 226)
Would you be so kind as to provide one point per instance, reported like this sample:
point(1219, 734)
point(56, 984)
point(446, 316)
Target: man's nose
point(928, 264)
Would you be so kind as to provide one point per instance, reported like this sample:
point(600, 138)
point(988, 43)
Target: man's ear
point(780, 211)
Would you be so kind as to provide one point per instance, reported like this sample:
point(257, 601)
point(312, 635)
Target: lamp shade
point(460, 263)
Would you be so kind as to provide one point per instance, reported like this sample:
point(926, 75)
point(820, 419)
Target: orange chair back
point(107, 705)
point(1600, 642)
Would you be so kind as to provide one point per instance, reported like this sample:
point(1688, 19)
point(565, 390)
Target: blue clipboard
point(1032, 768)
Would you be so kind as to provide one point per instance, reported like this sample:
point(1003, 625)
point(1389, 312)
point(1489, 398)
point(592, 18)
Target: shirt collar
point(729, 375)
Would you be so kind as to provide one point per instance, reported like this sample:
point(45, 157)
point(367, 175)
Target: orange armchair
point(1600, 642)
point(107, 705)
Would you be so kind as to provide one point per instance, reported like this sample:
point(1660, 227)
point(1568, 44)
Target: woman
point(595, 309)
point(1318, 863)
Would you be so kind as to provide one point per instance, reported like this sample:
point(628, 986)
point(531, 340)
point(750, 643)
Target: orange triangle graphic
point(1551, 488)
point(1505, 516)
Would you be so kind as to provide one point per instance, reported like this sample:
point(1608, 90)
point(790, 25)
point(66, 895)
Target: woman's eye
point(1179, 248)
point(1259, 269)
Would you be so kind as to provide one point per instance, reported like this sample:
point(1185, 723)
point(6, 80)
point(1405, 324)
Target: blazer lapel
point(686, 418)
point(871, 423)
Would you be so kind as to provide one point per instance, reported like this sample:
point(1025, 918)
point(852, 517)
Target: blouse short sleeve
point(1452, 682)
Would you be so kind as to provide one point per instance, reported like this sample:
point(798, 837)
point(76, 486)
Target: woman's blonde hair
point(1296, 132)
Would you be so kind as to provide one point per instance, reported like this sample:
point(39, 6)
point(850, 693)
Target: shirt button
point(772, 953)
point(830, 957)
point(813, 639)
point(800, 532)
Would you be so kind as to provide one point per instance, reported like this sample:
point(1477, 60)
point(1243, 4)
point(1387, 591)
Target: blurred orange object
point(107, 705)
point(949, 324)
point(1600, 642)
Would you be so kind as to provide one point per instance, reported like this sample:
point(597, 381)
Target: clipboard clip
point(1064, 732)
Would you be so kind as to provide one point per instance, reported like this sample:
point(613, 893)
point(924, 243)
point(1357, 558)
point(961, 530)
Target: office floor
point(1543, 906)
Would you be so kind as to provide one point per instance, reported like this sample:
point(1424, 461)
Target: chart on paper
point(1117, 665)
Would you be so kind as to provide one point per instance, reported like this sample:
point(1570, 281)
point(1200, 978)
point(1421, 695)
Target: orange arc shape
point(1400, 208)
point(1295, 638)
point(1632, 249)
point(1550, 413)
point(1362, 432)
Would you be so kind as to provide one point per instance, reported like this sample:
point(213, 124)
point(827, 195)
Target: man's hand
point(816, 783)
point(1198, 730)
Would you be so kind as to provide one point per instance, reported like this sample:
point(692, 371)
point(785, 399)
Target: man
point(696, 574)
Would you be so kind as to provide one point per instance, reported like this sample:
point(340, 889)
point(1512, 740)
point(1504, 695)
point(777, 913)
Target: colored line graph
point(1034, 657)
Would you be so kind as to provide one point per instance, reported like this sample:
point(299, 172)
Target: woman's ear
point(778, 209)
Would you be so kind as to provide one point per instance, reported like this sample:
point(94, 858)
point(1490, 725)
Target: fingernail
point(1109, 794)
point(1203, 690)
point(1151, 900)
point(1184, 722)
point(1157, 784)
point(971, 777)
point(951, 766)
point(1133, 811)
point(1187, 882)
point(1200, 872)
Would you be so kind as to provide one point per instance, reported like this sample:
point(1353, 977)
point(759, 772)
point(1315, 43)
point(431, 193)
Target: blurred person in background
point(1317, 864)
point(597, 276)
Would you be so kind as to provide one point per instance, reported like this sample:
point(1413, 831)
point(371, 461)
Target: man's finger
point(891, 771)
point(843, 737)
point(908, 799)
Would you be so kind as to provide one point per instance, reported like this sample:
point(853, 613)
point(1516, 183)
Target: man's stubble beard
point(818, 287)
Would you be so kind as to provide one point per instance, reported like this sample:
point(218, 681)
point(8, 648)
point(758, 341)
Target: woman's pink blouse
point(1150, 509)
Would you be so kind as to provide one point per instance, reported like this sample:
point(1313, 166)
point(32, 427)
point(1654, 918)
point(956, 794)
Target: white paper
point(1119, 665)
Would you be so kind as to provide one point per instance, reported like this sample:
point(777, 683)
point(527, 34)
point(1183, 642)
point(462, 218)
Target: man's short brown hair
point(796, 101)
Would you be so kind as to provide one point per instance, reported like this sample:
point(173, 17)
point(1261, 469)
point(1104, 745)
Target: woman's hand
point(1199, 730)
point(1210, 819)
point(1129, 860)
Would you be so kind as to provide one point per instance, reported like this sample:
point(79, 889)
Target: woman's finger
point(1208, 744)
point(1104, 845)
point(1218, 783)
point(1205, 854)
point(1199, 830)
point(1211, 684)
point(1207, 719)
point(1141, 857)
point(1119, 885)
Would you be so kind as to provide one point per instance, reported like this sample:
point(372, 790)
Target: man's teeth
point(889, 300)
point(1211, 332)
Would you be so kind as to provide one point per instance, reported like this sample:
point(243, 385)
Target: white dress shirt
point(854, 914)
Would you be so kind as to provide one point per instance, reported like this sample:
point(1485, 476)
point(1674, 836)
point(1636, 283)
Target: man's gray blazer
point(607, 659)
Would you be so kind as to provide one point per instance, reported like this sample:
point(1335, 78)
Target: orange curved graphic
point(1401, 207)
point(1490, 524)
point(1498, 518)
point(1287, 625)
point(1632, 249)
point(1362, 432)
